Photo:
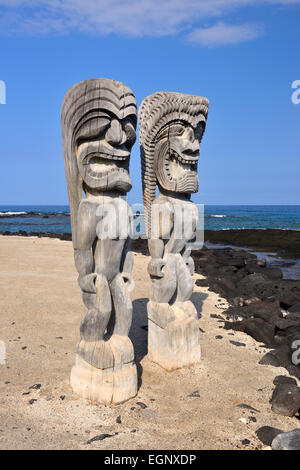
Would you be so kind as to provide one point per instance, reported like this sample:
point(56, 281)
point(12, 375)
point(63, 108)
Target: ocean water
point(56, 219)
point(252, 217)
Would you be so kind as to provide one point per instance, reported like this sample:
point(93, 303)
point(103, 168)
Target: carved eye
point(93, 128)
point(130, 133)
point(100, 125)
point(177, 129)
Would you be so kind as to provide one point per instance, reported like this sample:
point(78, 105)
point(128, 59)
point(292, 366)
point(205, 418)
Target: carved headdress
point(81, 108)
point(155, 113)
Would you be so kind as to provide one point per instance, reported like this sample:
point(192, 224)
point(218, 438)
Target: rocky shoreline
point(283, 242)
point(267, 308)
point(261, 303)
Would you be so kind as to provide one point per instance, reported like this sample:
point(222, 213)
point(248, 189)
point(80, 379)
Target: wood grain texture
point(98, 127)
point(171, 129)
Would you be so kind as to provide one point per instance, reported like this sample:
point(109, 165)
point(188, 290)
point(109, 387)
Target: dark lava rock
point(219, 337)
point(283, 241)
point(267, 311)
point(286, 291)
point(284, 354)
point(237, 343)
point(293, 370)
point(259, 330)
point(141, 404)
point(194, 394)
point(35, 387)
point(295, 308)
point(287, 441)
point(100, 437)
point(266, 434)
point(269, 360)
point(202, 283)
point(31, 402)
point(119, 420)
point(247, 407)
point(283, 379)
point(294, 316)
point(269, 273)
point(224, 286)
point(284, 324)
point(245, 442)
point(286, 399)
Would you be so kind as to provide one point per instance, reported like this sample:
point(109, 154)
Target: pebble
point(247, 407)
point(141, 404)
point(245, 442)
point(252, 418)
point(237, 343)
point(100, 437)
point(35, 387)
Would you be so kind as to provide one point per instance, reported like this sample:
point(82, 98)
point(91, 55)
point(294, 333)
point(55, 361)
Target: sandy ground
point(41, 311)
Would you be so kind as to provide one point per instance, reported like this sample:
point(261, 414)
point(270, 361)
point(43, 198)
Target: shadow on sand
point(139, 328)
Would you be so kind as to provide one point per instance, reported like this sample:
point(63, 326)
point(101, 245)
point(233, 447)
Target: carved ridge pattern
point(155, 112)
point(99, 129)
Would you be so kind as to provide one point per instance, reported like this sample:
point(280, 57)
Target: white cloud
point(223, 34)
point(133, 18)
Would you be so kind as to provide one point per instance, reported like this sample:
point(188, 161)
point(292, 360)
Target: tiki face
point(103, 145)
point(176, 156)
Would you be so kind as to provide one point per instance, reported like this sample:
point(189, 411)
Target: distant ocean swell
point(57, 218)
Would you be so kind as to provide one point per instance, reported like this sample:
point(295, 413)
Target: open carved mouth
point(101, 164)
point(177, 164)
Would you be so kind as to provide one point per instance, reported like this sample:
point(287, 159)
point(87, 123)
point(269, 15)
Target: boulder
point(286, 399)
point(284, 379)
point(259, 330)
point(266, 434)
point(287, 440)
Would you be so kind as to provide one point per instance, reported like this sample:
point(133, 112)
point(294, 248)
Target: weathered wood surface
point(98, 126)
point(171, 129)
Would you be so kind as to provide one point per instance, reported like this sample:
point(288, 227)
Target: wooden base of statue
point(173, 335)
point(108, 385)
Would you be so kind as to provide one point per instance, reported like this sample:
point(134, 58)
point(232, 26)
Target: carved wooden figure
point(171, 129)
point(98, 125)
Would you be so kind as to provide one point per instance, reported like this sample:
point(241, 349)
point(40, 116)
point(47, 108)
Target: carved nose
point(115, 134)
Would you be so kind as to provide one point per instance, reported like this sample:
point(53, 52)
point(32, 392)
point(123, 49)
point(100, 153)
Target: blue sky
point(241, 54)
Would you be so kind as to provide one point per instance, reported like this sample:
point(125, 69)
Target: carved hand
point(87, 283)
point(155, 267)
